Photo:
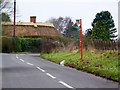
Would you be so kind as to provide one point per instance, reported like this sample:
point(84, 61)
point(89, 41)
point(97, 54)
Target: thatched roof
point(29, 24)
point(30, 29)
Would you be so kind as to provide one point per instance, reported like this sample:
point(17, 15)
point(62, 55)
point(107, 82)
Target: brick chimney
point(33, 19)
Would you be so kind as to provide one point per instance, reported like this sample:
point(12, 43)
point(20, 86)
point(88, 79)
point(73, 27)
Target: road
point(31, 71)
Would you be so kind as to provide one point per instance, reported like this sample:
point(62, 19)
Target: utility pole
point(14, 26)
point(14, 17)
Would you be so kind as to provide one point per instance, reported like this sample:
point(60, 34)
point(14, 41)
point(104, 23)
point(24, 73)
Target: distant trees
point(6, 6)
point(88, 33)
point(5, 17)
point(60, 23)
point(103, 26)
point(72, 31)
point(6, 10)
point(65, 26)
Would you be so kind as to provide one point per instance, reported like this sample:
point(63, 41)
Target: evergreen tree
point(5, 18)
point(103, 26)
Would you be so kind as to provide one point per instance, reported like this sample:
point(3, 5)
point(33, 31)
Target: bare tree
point(65, 26)
point(6, 6)
point(60, 23)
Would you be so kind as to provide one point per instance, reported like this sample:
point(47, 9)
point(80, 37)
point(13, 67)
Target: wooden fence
point(101, 45)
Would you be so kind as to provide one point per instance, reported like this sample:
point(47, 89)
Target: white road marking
point(16, 56)
point(22, 60)
point(29, 63)
point(50, 75)
point(65, 84)
point(62, 63)
point(40, 69)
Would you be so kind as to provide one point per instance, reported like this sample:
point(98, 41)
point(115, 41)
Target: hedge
point(29, 44)
point(10, 44)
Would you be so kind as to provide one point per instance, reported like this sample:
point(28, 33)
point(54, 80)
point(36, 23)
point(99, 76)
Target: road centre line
point(48, 74)
point(22, 60)
point(29, 63)
point(65, 84)
point(16, 56)
point(40, 69)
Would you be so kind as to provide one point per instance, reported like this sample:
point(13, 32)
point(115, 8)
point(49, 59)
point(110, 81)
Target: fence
point(101, 45)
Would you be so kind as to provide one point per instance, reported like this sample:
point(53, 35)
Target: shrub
point(28, 44)
point(10, 44)
point(7, 44)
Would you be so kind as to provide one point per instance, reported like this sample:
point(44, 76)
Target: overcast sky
point(84, 9)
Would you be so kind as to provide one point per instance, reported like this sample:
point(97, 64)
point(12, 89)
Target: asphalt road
point(31, 71)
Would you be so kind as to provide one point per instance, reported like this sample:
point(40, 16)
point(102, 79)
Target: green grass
point(103, 64)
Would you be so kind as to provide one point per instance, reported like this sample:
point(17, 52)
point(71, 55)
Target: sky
point(75, 9)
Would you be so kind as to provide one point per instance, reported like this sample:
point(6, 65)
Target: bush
point(28, 44)
point(7, 44)
point(10, 44)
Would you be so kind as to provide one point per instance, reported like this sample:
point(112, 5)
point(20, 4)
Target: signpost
point(79, 21)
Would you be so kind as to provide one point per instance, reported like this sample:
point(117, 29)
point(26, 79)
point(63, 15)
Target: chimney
point(33, 19)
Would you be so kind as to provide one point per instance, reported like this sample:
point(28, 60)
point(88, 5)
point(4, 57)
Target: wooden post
point(80, 22)
point(81, 39)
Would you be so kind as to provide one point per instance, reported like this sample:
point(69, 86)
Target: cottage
point(31, 28)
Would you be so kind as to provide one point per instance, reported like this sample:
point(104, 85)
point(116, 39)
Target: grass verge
point(104, 64)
